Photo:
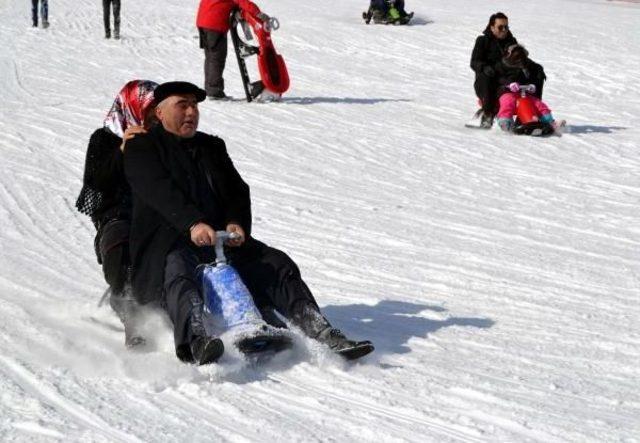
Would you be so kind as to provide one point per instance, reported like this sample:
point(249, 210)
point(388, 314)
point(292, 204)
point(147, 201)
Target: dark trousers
point(106, 13)
point(270, 275)
point(487, 91)
point(215, 58)
point(44, 11)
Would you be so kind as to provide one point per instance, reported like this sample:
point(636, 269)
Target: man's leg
point(116, 19)
point(215, 57)
point(34, 12)
point(184, 305)
point(106, 17)
point(272, 277)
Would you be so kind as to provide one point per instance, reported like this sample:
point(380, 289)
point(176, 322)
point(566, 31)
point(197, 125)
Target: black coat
point(488, 50)
point(166, 174)
point(105, 194)
point(506, 75)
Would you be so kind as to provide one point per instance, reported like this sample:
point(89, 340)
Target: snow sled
point(527, 117)
point(230, 309)
point(392, 17)
point(274, 77)
point(527, 120)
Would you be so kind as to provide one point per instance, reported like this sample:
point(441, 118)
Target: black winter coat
point(166, 174)
point(506, 75)
point(488, 50)
point(105, 194)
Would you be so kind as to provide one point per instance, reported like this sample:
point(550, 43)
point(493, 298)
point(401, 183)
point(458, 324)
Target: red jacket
point(214, 14)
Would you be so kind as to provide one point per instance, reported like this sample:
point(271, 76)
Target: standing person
point(185, 187)
point(489, 49)
point(213, 24)
point(106, 196)
point(44, 13)
point(106, 15)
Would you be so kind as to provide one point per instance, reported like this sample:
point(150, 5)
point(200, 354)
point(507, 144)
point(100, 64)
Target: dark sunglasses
point(503, 28)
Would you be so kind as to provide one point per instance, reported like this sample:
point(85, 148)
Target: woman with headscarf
point(106, 196)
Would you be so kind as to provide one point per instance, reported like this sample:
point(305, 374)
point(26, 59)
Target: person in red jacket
point(213, 25)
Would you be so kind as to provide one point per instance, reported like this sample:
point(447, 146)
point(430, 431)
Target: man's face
point(179, 115)
point(500, 28)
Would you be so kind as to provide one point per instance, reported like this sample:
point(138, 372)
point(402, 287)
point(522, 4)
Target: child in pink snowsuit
point(513, 73)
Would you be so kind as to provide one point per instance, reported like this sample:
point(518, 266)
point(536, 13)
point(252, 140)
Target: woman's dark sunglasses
point(503, 28)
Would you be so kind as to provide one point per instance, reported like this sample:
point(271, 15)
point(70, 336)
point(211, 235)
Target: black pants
point(487, 91)
point(106, 13)
point(44, 11)
point(270, 275)
point(215, 58)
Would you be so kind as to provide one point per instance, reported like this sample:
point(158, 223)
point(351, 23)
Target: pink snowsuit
point(508, 102)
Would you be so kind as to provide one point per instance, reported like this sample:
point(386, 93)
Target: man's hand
point(202, 234)
point(263, 17)
point(130, 133)
point(233, 227)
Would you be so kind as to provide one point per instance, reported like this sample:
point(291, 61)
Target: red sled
point(274, 76)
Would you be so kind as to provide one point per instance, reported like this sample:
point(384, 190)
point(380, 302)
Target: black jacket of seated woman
point(106, 197)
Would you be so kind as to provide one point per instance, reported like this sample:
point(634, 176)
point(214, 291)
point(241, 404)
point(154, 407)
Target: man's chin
point(188, 131)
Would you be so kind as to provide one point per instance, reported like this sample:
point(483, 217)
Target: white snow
point(497, 275)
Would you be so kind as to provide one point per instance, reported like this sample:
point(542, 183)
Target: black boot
point(129, 312)
point(313, 324)
point(206, 350)
point(340, 344)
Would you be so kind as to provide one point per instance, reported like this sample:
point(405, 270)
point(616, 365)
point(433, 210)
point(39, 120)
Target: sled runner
point(274, 77)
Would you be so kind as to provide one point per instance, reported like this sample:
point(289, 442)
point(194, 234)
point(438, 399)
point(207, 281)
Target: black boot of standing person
point(106, 15)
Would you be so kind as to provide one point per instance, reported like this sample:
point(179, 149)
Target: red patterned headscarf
point(130, 105)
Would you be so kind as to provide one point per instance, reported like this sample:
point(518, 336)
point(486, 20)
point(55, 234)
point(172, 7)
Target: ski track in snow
point(497, 276)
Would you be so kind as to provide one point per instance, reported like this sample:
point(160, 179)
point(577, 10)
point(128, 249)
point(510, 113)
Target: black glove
point(263, 17)
point(488, 71)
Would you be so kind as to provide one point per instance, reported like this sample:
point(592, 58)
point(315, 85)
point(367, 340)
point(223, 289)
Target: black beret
point(178, 88)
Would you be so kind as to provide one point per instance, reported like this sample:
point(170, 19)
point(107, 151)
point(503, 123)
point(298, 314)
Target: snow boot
point(486, 120)
point(107, 33)
point(506, 124)
point(116, 34)
point(218, 96)
point(340, 344)
point(206, 350)
point(312, 322)
point(129, 312)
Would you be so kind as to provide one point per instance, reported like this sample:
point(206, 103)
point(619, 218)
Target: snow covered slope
point(498, 276)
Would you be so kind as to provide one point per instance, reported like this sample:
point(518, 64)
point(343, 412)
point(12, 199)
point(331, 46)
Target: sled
point(229, 308)
point(274, 77)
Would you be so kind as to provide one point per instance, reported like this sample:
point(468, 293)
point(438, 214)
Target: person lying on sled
point(514, 71)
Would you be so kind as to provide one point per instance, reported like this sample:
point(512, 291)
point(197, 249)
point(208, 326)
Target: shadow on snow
point(391, 324)
point(346, 100)
point(592, 129)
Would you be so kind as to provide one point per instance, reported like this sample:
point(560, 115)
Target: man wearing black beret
point(185, 187)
